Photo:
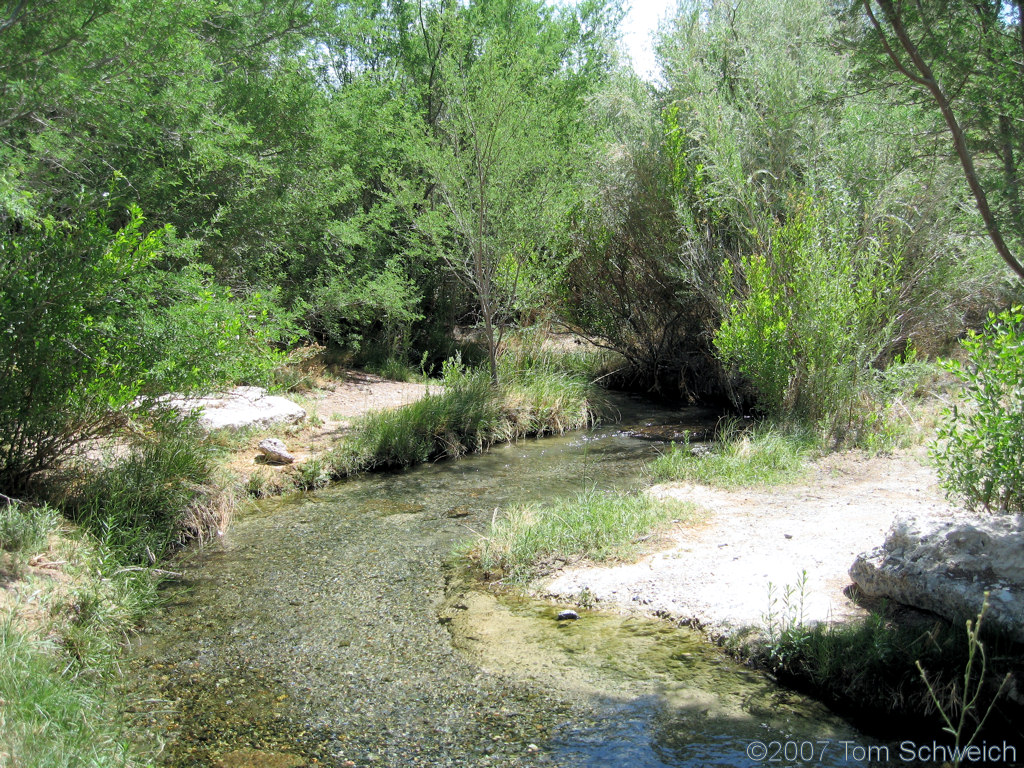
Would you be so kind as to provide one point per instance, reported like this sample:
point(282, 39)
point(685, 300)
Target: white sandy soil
point(717, 574)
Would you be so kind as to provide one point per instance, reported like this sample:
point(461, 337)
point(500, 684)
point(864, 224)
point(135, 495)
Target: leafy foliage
point(93, 329)
point(981, 444)
point(623, 287)
point(815, 314)
point(962, 61)
point(504, 152)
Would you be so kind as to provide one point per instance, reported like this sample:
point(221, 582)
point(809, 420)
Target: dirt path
point(717, 575)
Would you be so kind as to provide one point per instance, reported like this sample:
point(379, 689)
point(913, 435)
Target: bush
point(91, 327)
point(809, 317)
point(980, 446)
point(158, 497)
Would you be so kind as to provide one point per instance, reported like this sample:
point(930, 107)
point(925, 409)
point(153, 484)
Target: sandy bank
point(717, 575)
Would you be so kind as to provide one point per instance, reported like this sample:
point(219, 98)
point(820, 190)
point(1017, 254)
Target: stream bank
point(758, 542)
point(315, 632)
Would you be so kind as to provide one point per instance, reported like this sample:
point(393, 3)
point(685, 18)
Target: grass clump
point(25, 528)
point(596, 525)
point(466, 416)
point(870, 667)
point(535, 350)
point(157, 498)
point(463, 418)
point(52, 718)
point(59, 648)
point(761, 456)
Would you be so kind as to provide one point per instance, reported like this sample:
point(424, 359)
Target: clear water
point(329, 629)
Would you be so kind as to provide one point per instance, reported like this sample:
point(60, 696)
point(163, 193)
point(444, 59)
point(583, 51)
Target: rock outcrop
point(241, 407)
point(946, 564)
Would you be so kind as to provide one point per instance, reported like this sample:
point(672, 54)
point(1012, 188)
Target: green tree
point(967, 58)
point(93, 332)
point(505, 150)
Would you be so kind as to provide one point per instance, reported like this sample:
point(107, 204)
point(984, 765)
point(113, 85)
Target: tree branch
point(927, 80)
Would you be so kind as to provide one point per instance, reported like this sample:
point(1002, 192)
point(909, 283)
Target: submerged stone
point(254, 758)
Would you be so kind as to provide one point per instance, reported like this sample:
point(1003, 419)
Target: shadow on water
point(322, 630)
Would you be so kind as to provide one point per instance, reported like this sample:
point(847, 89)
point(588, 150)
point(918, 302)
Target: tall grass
point(25, 528)
point(531, 350)
point(58, 652)
point(466, 416)
point(870, 667)
point(529, 540)
point(158, 497)
point(761, 456)
point(51, 717)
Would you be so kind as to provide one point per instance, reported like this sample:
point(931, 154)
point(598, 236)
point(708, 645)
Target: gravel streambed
point(320, 631)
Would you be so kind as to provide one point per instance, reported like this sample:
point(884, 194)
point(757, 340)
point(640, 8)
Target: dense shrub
point(981, 444)
point(810, 316)
point(838, 243)
point(623, 288)
point(91, 327)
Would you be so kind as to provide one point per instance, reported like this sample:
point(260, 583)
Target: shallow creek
point(327, 629)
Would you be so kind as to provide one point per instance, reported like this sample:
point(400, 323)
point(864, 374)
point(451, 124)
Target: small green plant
point(393, 369)
point(313, 474)
point(961, 709)
point(787, 633)
point(979, 447)
point(25, 528)
point(263, 483)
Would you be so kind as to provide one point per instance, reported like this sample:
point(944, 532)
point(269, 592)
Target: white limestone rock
point(275, 451)
point(241, 407)
point(945, 564)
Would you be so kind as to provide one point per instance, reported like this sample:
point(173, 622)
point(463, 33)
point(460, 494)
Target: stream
point(330, 629)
